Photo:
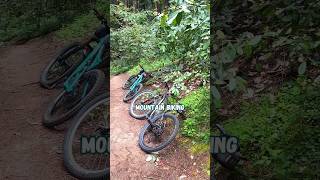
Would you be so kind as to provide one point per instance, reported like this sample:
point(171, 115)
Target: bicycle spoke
point(94, 125)
point(159, 133)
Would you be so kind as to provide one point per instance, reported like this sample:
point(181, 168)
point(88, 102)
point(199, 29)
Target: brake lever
point(141, 67)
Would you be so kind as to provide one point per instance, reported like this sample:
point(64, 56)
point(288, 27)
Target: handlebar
point(141, 67)
point(100, 16)
point(221, 129)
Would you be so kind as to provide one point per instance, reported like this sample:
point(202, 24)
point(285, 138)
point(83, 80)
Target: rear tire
point(133, 104)
point(96, 77)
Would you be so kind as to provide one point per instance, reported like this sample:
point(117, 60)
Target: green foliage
point(22, 20)
point(280, 134)
point(178, 38)
point(131, 38)
point(150, 65)
point(81, 27)
point(197, 112)
point(120, 17)
point(130, 45)
point(261, 32)
point(185, 32)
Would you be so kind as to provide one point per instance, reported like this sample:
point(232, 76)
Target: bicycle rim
point(92, 121)
point(64, 64)
point(152, 140)
point(139, 106)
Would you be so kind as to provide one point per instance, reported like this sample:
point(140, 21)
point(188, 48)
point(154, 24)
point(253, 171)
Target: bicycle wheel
point(62, 66)
point(153, 139)
point(129, 82)
point(132, 93)
point(146, 97)
point(91, 121)
point(67, 104)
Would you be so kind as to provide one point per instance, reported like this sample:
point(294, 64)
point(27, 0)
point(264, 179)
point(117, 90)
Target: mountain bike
point(161, 129)
point(92, 121)
point(134, 84)
point(83, 83)
point(70, 57)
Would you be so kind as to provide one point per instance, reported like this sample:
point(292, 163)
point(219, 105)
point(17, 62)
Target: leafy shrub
point(121, 16)
point(197, 112)
point(130, 45)
point(280, 134)
point(81, 27)
point(22, 20)
point(185, 32)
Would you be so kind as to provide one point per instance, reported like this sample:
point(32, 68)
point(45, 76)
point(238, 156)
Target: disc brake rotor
point(158, 129)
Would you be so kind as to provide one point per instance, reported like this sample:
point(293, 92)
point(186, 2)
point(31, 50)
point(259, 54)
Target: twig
point(32, 123)
point(32, 83)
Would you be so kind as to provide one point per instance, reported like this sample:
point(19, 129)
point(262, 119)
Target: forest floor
point(28, 150)
point(128, 161)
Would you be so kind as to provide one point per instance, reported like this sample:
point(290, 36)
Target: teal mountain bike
point(82, 80)
point(134, 84)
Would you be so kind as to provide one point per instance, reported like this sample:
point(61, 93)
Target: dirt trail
point(28, 150)
point(128, 161)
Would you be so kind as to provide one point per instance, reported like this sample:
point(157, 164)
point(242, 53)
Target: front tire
point(147, 129)
point(129, 82)
point(85, 120)
point(70, 104)
point(132, 93)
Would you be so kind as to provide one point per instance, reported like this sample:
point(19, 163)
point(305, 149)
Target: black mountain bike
point(227, 160)
point(92, 121)
point(162, 127)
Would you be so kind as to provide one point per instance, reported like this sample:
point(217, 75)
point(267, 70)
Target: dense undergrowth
point(83, 26)
point(23, 20)
point(264, 84)
point(263, 43)
point(280, 133)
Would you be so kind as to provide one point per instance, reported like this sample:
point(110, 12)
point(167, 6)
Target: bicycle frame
point(93, 59)
point(152, 114)
point(137, 82)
